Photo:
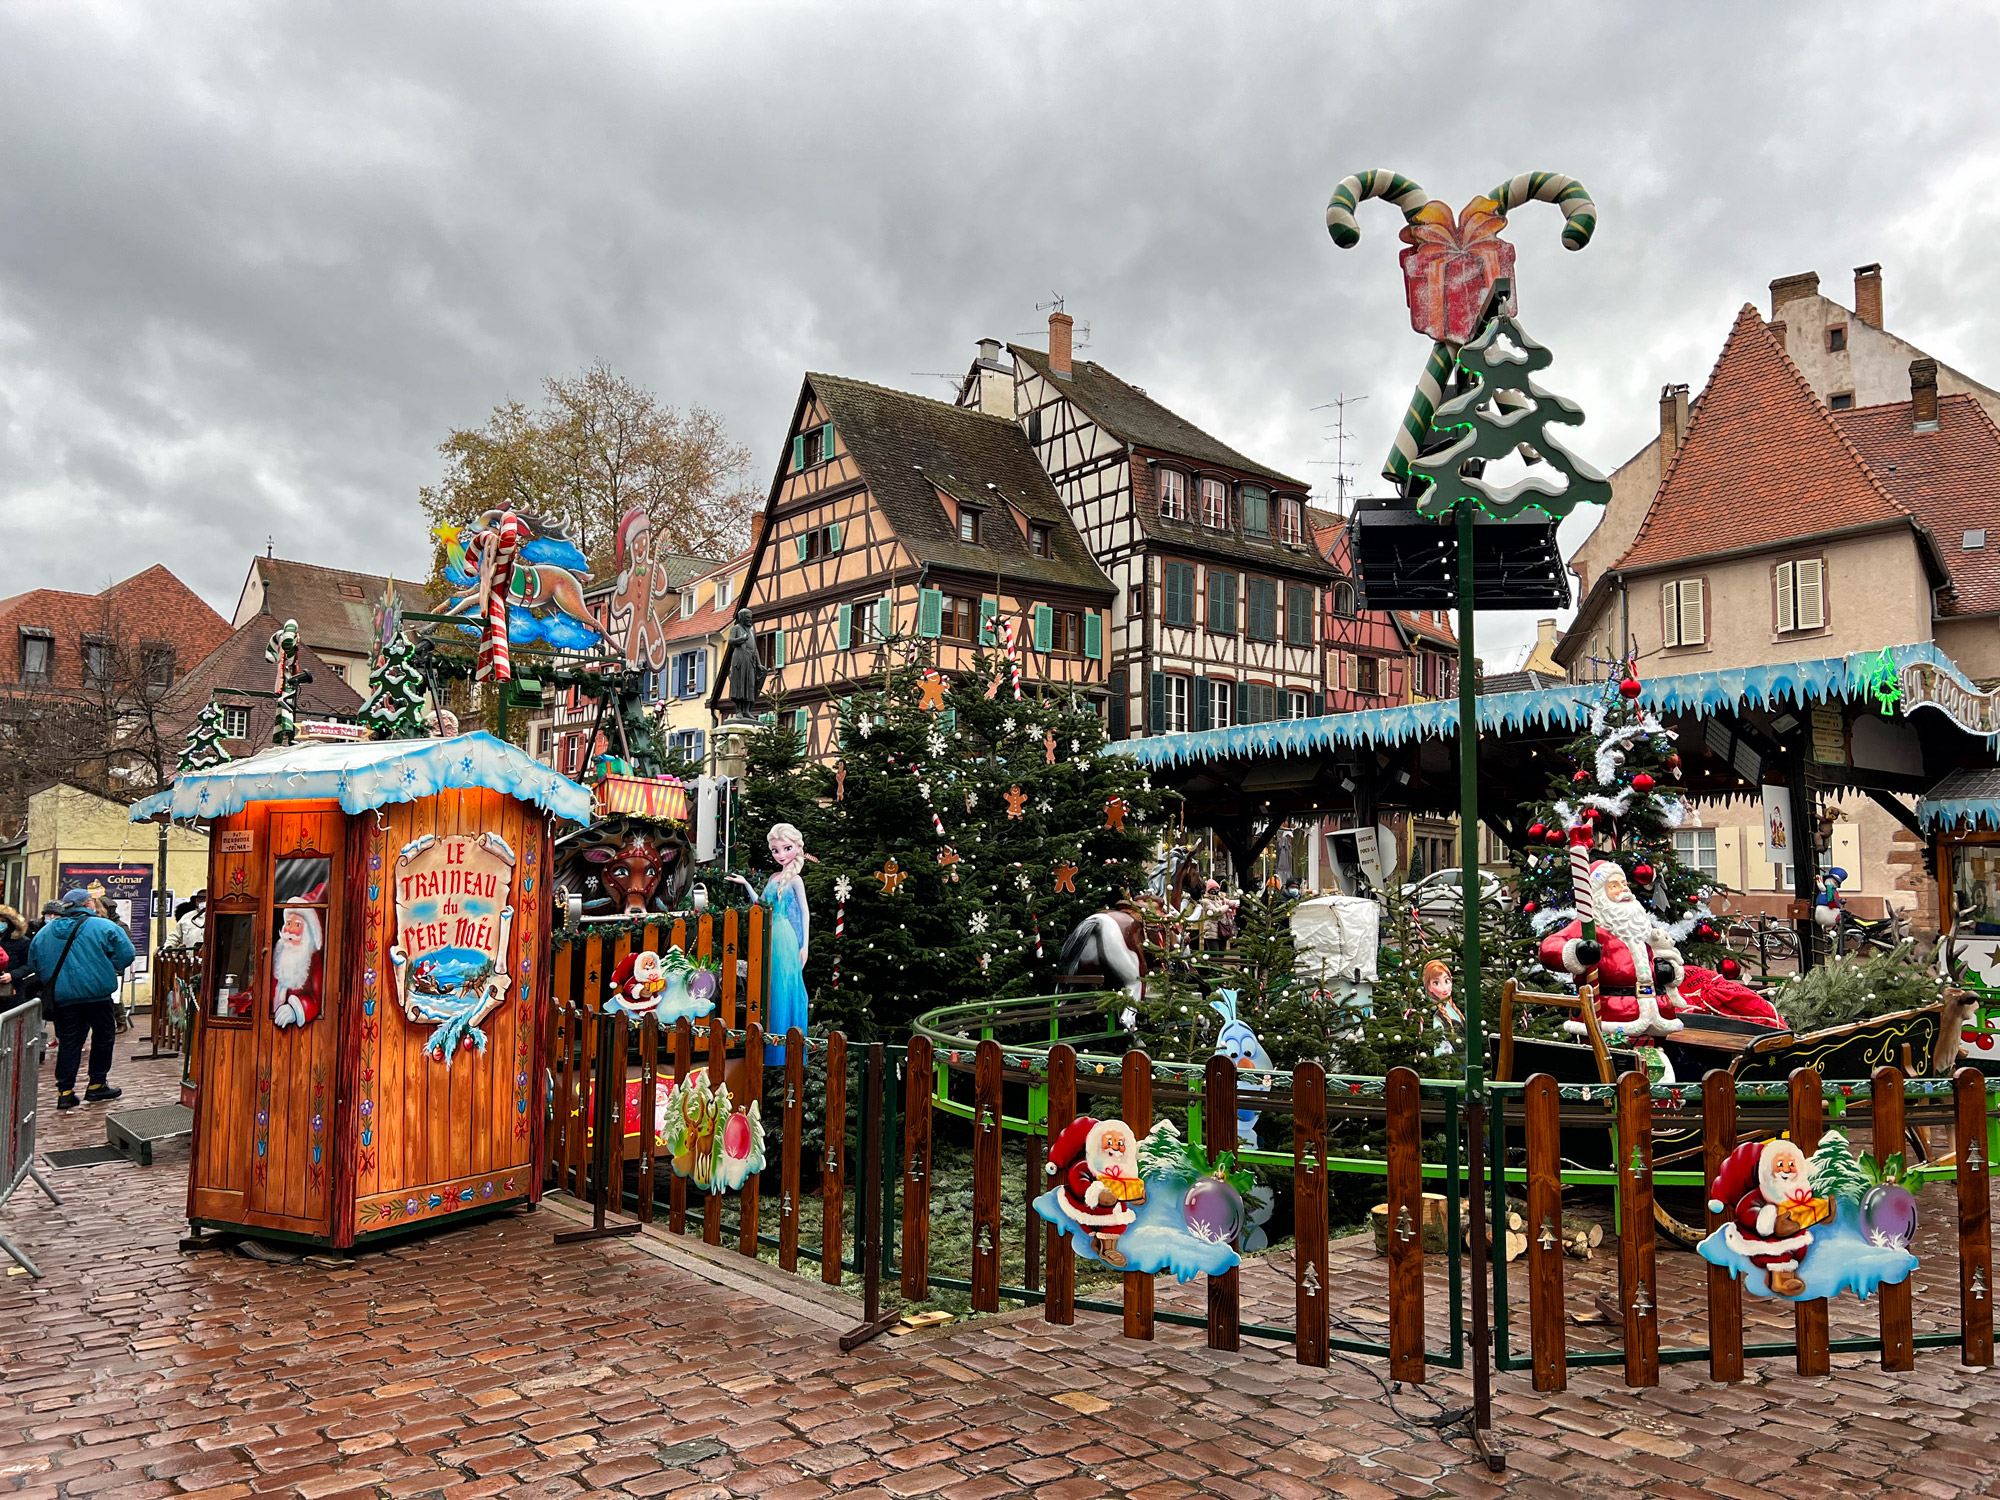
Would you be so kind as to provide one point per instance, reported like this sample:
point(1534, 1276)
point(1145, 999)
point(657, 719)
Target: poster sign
point(454, 912)
point(1829, 737)
point(130, 889)
point(1778, 829)
point(238, 841)
point(1925, 686)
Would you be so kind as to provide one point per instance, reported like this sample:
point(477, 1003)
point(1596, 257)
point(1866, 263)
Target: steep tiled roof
point(1429, 629)
point(1762, 463)
point(1949, 479)
point(239, 662)
point(1134, 417)
point(909, 447)
point(335, 608)
point(706, 618)
point(150, 606)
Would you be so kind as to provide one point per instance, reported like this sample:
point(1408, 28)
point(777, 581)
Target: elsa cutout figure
point(790, 931)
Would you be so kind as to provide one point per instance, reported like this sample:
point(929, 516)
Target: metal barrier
point(21, 1048)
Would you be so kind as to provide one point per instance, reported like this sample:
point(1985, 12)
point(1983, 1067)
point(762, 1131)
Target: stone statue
point(746, 676)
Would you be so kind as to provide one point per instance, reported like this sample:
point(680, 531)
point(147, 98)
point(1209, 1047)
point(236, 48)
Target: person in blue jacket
point(81, 958)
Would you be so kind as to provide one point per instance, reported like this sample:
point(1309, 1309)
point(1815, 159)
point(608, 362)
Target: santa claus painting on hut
point(1644, 986)
point(1098, 1188)
point(296, 963)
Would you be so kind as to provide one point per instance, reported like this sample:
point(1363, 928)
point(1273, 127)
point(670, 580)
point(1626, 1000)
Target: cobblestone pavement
point(486, 1361)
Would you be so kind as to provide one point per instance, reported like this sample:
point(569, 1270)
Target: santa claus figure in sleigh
point(1644, 986)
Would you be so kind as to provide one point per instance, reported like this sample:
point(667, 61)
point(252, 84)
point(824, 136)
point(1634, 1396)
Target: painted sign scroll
point(454, 913)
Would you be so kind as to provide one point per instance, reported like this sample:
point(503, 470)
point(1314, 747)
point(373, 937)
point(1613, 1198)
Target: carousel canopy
point(365, 774)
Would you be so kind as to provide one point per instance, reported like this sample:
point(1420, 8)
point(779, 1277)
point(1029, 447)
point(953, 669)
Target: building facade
point(893, 517)
point(334, 608)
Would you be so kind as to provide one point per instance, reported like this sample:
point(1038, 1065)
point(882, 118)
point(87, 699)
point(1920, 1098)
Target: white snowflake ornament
point(842, 888)
point(1007, 725)
point(978, 923)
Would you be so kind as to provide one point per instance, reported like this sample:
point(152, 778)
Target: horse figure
point(1110, 944)
point(532, 586)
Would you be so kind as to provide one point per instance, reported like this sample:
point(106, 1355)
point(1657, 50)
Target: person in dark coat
point(14, 947)
point(81, 958)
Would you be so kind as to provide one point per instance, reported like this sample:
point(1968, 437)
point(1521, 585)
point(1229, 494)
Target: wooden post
point(1725, 1292)
point(1638, 1285)
point(1975, 1228)
point(586, 1102)
point(614, 1076)
point(677, 1188)
point(1885, 1109)
point(1060, 1304)
point(1815, 1357)
point(870, 1248)
point(1405, 1183)
point(1310, 1213)
point(726, 1002)
point(649, 1099)
point(986, 1134)
point(919, 1078)
point(788, 1170)
point(833, 1160)
point(759, 976)
point(564, 1099)
point(711, 1199)
point(749, 1201)
point(1225, 1308)
point(1541, 1124)
point(1135, 1078)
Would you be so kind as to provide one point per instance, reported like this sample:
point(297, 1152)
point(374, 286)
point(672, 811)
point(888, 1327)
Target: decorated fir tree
point(204, 747)
point(1618, 779)
point(395, 709)
point(972, 834)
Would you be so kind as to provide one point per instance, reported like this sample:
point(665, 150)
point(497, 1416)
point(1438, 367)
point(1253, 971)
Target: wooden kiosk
point(375, 984)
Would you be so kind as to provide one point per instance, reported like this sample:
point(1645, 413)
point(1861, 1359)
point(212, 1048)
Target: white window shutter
point(1694, 612)
point(1670, 614)
point(1811, 591)
point(1787, 617)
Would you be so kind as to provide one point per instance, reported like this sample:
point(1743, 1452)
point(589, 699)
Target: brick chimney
point(1778, 330)
point(1060, 324)
point(1923, 395)
point(1868, 295)
point(1792, 289)
point(1673, 422)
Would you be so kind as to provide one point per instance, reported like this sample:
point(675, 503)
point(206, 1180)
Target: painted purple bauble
point(702, 986)
point(1889, 1214)
point(1213, 1211)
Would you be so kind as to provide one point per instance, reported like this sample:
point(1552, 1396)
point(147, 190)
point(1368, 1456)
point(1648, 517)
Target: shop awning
point(365, 774)
point(1968, 798)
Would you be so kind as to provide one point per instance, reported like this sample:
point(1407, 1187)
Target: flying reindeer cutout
point(1458, 278)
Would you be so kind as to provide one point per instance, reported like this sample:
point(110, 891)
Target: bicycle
point(1762, 936)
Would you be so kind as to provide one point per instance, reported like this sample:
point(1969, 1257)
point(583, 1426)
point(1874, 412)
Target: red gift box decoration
point(1450, 268)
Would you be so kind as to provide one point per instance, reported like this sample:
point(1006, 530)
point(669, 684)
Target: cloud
point(259, 259)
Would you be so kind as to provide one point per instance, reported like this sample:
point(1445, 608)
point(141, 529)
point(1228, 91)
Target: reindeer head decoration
point(625, 867)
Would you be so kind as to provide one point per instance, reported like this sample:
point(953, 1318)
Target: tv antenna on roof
point(1338, 437)
point(1081, 338)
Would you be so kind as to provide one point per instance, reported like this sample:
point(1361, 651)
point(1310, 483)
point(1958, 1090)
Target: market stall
point(374, 983)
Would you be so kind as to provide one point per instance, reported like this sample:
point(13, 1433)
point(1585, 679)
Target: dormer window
point(1040, 542)
point(1215, 504)
point(38, 655)
point(1173, 495)
point(687, 603)
point(968, 525)
point(1291, 521)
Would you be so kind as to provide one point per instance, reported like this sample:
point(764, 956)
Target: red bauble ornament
point(1527, 908)
point(1581, 777)
point(1730, 968)
point(1630, 687)
point(1643, 783)
point(1643, 874)
point(1536, 830)
point(1554, 835)
point(1673, 762)
point(1704, 933)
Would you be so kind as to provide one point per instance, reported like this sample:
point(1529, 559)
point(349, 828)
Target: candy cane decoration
point(496, 575)
point(1036, 919)
point(1353, 191)
point(1566, 193)
point(1579, 878)
point(1007, 635)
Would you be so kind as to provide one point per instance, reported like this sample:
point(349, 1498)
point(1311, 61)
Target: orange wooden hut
point(375, 984)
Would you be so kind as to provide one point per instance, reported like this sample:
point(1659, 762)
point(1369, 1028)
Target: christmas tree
point(972, 833)
point(204, 746)
point(1833, 1171)
point(395, 710)
point(1617, 779)
point(1504, 412)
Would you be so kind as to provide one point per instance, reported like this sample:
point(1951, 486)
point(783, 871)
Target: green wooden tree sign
point(1504, 411)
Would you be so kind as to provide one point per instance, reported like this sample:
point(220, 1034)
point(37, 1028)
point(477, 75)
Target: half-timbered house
point(1219, 585)
point(892, 517)
point(1368, 652)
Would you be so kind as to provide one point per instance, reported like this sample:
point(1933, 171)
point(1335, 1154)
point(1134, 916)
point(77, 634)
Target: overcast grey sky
point(255, 260)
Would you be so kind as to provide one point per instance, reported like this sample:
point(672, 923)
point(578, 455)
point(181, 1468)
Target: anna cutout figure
point(790, 931)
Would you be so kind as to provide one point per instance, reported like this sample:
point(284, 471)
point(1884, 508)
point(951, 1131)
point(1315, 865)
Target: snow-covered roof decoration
point(366, 774)
point(1564, 708)
point(1970, 797)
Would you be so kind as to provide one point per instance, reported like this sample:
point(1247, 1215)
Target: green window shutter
point(885, 617)
point(950, 720)
point(1198, 710)
point(833, 537)
point(767, 720)
point(798, 452)
point(989, 622)
point(1045, 622)
point(930, 613)
point(778, 648)
point(801, 723)
point(826, 442)
point(1093, 635)
point(1156, 717)
point(844, 627)
point(800, 542)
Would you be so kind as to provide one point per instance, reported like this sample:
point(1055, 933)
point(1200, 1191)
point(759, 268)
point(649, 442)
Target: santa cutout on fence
point(1765, 1187)
point(1096, 1167)
point(297, 965)
point(1644, 986)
